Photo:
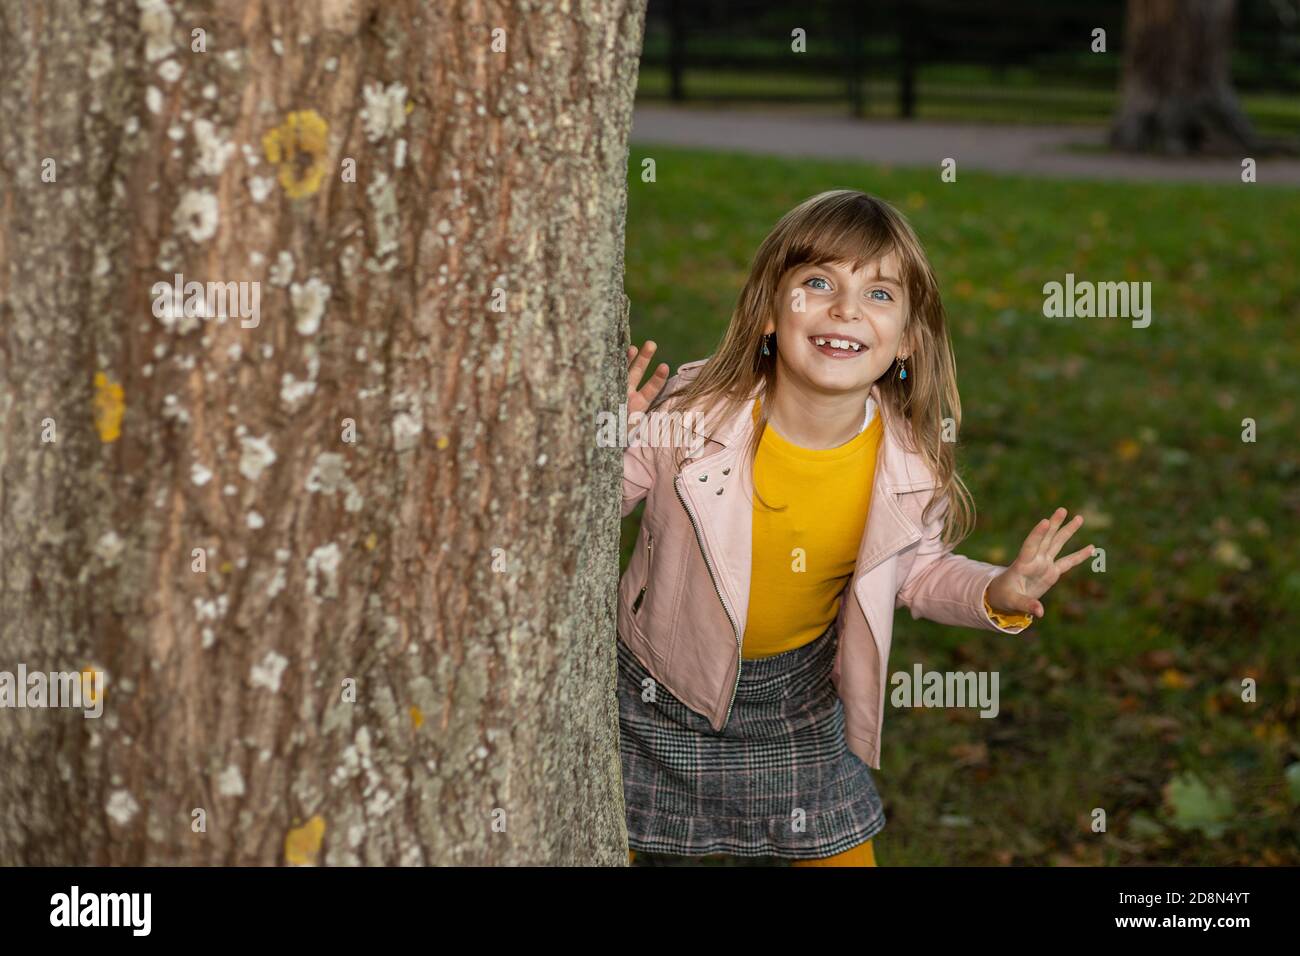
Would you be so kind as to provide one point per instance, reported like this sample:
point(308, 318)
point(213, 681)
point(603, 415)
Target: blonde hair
point(847, 225)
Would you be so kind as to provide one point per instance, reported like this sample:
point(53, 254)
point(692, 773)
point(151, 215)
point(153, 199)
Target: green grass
point(1134, 676)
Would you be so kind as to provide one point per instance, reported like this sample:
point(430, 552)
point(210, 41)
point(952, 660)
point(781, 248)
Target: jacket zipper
point(650, 546)
point(709, 564)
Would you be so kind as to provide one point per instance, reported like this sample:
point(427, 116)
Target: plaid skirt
point(778, 781)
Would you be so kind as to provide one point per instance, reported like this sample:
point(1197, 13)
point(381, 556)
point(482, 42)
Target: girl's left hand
point(1036, 567)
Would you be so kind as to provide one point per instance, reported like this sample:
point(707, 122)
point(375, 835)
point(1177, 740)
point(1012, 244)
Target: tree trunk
point(1176, 94)
point(386, 487)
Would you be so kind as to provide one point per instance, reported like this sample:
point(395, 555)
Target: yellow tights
point(860, 855)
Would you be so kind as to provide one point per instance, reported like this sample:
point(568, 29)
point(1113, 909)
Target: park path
point(1029, 150)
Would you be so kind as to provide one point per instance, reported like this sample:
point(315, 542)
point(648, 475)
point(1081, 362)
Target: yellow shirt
point(805, 554)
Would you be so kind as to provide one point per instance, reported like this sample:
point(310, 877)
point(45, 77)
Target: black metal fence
point(1024, 59)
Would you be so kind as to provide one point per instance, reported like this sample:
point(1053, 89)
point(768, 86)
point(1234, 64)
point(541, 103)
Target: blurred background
point(1016, 61)
point(1122, 164)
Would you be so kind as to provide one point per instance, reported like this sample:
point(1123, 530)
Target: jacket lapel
point(718, 482)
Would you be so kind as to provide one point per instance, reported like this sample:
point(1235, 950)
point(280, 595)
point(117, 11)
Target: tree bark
point(1176, 93)
point(1177, 90)
point(391, 479)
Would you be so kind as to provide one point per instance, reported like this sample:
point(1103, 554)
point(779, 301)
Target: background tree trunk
point(484, 727)
point(1176, 94)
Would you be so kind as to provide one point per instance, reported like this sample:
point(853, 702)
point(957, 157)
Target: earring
point(766, 350)
point(902, 370)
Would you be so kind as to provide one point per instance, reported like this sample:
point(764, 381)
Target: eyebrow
point(890, 280)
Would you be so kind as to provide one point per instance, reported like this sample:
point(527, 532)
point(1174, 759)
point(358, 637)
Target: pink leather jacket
point(683, 599)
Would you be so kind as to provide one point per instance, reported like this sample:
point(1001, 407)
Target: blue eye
point(815, 279)
point(882, 291)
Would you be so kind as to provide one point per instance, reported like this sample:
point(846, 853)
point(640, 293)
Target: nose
point(845, 308)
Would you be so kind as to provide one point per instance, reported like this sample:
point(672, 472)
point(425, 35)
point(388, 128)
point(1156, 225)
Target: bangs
point(858, 231)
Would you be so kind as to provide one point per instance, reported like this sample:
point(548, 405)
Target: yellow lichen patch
point(302, 844)
point(417, 717)
point(109, 406)
point(442, 442)
point(372, 539)
point(299, 147)
point(89, 682)
point(227, 567)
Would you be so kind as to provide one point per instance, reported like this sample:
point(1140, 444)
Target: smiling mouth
point(837, 346)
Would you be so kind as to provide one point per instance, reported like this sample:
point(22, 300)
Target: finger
point(651, 388)
point(1063, 535)
point(640, 360)
point(1053, 524)
point(1071, 560)
point(1033, 542)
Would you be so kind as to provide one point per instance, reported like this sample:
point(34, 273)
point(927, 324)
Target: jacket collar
point(902, 469)
point(726, 519)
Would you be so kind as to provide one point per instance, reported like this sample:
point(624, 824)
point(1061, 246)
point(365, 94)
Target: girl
point(808, 491)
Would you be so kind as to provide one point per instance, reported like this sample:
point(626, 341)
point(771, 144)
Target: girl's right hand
point(639, 399)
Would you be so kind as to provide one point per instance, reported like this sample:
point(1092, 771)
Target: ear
point(770, 327)
point(906, 347)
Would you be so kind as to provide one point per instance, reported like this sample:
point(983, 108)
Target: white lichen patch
point(157, 24)
point(349, 767)
point(260, 187)
point(170, 71)
point(293, 391)
point(197, 214)
point(277, 583)
point(281, 273)
point(199, 474)
point(255, 457)
point(406, 430)
point(383, 200)
point(231, 782)
point(109, 547)
point(153, 99)
point(322, 571)
point(384, 111)
point(100, 61)
point(309, 301)
point(214, 151)
point(328, 476)
point(380, 803)
point(255, 520)
point(328, 473)
point(122, 807)
point(212, 609)
point(267, 674)
point(173, 410)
